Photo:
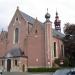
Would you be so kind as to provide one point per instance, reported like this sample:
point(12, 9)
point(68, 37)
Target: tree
point(69, 43)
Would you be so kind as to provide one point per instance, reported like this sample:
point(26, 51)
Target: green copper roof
point(57, 34)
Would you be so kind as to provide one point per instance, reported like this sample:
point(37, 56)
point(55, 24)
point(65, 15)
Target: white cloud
point(37, 8)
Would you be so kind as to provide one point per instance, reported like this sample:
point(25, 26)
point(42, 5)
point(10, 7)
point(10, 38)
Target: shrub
point(42, 69)
point(65, 62)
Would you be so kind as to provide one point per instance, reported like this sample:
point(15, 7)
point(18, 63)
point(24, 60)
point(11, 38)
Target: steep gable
point(17, 17)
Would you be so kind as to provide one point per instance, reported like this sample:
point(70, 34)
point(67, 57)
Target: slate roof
point(31, 20)
point(15, 52)
point(28, 18)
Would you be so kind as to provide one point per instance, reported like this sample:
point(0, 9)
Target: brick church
point(30, 43)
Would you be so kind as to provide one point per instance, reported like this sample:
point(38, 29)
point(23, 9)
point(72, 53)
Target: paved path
point(24, 73)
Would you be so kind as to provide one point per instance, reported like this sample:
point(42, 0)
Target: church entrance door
point(8, 64)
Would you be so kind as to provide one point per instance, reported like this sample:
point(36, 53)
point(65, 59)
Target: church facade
point(30, 43)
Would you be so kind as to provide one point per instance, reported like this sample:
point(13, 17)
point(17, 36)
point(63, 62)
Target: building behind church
point(30, 43)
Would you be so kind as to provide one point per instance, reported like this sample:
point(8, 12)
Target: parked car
point(66, 71)
point(71, 73)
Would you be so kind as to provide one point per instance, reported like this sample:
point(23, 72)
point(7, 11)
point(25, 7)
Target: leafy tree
point(69, 43)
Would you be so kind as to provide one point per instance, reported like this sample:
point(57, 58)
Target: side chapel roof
point(15, 52)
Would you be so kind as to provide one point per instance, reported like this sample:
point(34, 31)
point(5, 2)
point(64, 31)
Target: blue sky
point(37, 8)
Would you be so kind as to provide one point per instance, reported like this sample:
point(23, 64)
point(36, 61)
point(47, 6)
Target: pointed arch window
point(54, 49)
point(62, 50)
point(16, 35)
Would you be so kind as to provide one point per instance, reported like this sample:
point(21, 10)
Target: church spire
point(57, 22)
point(57, 15)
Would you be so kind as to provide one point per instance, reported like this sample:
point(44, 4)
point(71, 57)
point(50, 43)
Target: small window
point(62, 50)
point(22, 52)
point(17, 19)
point(36, 31)
point(16, 62)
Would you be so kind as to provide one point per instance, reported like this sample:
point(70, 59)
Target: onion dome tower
point(48, 40)
point(57, 23)
point(47, 16)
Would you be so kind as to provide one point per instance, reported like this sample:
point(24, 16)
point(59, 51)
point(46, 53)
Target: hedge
point(42, 69)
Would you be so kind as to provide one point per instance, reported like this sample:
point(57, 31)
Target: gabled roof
point(14, 52)
point(31, 20)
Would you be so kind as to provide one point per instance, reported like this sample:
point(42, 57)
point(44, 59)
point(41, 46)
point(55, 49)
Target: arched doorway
point(23, 67)
point(8, 64)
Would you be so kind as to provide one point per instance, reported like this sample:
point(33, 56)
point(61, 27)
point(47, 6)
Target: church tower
point(48, 40)
point(57, 23)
